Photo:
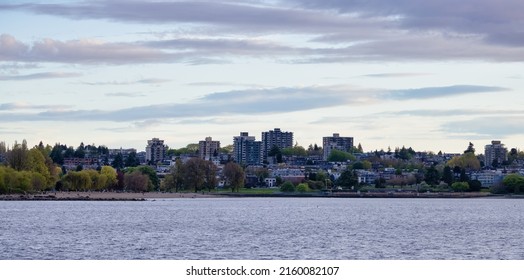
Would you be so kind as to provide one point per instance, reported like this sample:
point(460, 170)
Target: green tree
point(111, 176)
point(17, 156)
point(36, 162)
point(226, 149)
point(432, 176)
point(118, 161)
point(210, 175)
point(514, 183)
point(175, 178)
point(340, 156)
point(195, 174)
point(132, 160)
point(475, 185)
point(460, 186)
point(275, 152)
point(294, 151)
point(287, 187)
point(234, 175)
point(466, 161)
point(77, 181)
point(470, 149)
point(154, 181)
point(347, 179)
point(302, 188)
point(136, 181)
point(80, 151)
point(57, 153)
point(447, 175)
point(3, 151)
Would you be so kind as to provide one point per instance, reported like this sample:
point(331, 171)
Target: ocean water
point(263, 228)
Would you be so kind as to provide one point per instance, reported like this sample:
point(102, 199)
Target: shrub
point(287, 187)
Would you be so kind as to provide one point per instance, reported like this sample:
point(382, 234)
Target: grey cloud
point(253, 102)
point(492, 127)
point(27, 106)
point(124, 94)
point(120, 83)
point(37, 76)
point(374, 30)
point(15, 67)
point(498, 22)
point(394, 75)
point(79, 51)
point(226, 13)
point(263, 101)
point(433, 92)
point(455, 113)
point(230, 46)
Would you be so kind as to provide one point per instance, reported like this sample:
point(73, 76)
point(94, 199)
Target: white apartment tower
point(208, 148)
point(246, 150)
point(336, 142)
point(155, 151)
point(276, 138)
point(495, 154)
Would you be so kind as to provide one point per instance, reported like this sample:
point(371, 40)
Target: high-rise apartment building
point(155, 151)
point(276, 138)
point(246, 150)
point(336, 143)
point(495, 154)
point(208, 148)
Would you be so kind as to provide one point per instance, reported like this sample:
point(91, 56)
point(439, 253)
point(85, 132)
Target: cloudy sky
point(433, 75)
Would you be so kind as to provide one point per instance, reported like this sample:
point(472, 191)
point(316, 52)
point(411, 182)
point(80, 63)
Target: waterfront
point(263, 228)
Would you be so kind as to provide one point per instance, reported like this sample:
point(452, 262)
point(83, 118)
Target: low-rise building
point(488, 178)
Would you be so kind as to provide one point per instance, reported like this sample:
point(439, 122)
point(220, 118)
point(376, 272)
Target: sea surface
point(264, 228)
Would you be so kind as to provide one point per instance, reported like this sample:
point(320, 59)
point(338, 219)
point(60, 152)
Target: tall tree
point(175, 178)
point(470, 149)
point(234, 175)
point(111, 175)
point(347, 179)
point(132, 160)
point(195, 174)
point(80, 151)
point(17, 156)
point(432, 176)
point(447, 175)
point(136, 181)
point(118, 161)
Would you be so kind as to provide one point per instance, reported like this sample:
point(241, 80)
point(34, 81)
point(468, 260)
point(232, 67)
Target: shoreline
point(100, 196)
point(124, 196)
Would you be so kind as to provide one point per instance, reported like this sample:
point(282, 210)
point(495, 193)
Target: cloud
point(496, 22)
point(120, 83)
point(125, 94)
point(37, 76)
point(394, 75)
point(455, 113)
point(377, 30)
point(250, 102)
point(433, 92)
point(488, 127)
point(13, 68)
point(241, 102)
point(79, 51)
point(26, 106)
point(243, 16)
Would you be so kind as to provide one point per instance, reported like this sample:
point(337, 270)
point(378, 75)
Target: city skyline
point(433, 76)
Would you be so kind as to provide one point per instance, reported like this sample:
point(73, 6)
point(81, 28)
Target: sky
point(431, 75)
